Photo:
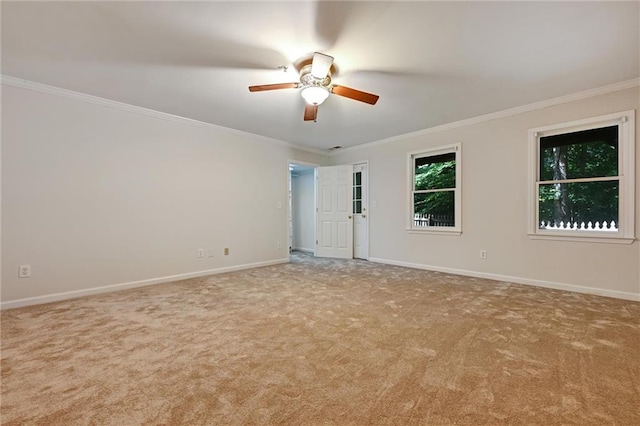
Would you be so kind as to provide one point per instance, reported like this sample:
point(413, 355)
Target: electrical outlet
point(483, 254)
point(279, 204)
point(226, 251)
point(279, 245)
point(210, 252)
point(200, 253)
point(24, 271)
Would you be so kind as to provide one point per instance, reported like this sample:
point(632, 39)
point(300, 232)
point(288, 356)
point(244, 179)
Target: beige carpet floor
point(324, 342)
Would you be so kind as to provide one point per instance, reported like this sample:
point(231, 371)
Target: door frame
point(315, 200)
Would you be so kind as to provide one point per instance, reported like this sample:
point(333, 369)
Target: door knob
point(364, 215)
point(349, 216)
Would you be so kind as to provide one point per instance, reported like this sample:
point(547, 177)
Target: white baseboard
point(515, 280)
point(306, 250)
point(133, 284)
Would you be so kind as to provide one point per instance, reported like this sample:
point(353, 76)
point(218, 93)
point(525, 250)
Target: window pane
point(589, 153)
point(434, 209)
point(579, 202)
point(357, 176)
point(435, 172)
point(358, 193)
point(357, 207)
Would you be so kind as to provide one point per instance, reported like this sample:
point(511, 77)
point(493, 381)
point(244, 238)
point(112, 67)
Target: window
point(357, 193)
point(434, 182)
point(582, 179)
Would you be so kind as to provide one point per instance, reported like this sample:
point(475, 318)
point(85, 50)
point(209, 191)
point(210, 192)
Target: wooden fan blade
point(310, 112)
point(321, 65)
point(273, 87)
point(355, 94)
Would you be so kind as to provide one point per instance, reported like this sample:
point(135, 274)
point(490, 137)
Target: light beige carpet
point(324, 342)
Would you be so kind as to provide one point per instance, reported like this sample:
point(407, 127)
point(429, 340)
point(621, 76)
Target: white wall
point(97, 195)
point(494, 203)
point(302, 210)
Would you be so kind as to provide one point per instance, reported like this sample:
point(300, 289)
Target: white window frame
point(430, 152)
point(626, 174)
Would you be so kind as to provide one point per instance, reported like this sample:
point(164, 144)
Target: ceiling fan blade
point(273, 87)
point(355, 94)
point(321, 65)
point(310, 112)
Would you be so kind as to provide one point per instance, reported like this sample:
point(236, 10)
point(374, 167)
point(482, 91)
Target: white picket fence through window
point(433, 220)
point(582, 226)
point(445, 220)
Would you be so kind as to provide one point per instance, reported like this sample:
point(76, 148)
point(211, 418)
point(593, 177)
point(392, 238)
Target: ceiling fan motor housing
point(307, 79)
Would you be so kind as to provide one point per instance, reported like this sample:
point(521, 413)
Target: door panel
point(360, 212)
point(326, 234)
point(343, 230)
point(335, 220)
point(343, 198)
point(327, 194)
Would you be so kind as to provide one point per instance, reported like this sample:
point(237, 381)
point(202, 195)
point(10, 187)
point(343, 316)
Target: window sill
point(582, 238)
point(439, 231)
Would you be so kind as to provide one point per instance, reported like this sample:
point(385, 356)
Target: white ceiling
point(431, 62)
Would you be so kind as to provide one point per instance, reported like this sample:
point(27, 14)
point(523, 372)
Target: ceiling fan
point(315, 81)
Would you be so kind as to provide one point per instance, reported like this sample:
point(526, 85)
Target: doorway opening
point(302, 211)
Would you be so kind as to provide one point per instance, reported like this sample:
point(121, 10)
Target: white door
point(334, 217)
point(360, 212)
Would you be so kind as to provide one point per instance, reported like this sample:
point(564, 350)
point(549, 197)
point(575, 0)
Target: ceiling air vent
point(335, 147)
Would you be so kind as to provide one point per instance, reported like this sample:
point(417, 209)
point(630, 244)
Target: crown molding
point(45, 88)
point(590, 93)
point(96, 100)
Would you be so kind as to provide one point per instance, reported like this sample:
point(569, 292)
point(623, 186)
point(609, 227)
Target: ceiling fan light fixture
point(315, 95)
